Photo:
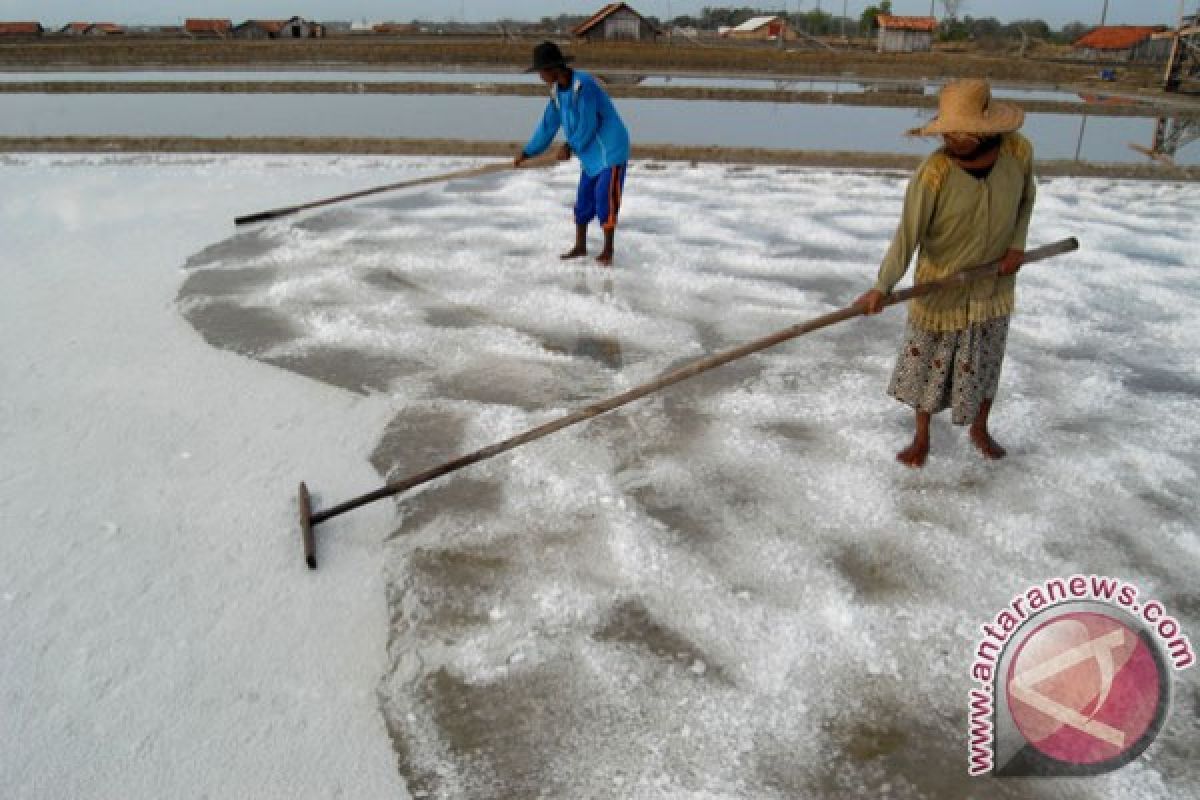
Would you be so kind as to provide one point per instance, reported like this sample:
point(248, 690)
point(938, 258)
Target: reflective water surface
point(389, 75)
point(652, 121)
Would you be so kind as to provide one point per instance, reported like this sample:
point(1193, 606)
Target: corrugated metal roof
point(895, 23)
point(603, 14)
point(1118, 37)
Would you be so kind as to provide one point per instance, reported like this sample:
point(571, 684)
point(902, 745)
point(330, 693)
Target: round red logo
point(1085, 688)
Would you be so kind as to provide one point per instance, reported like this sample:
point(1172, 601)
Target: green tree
point(1072, 32)
point(986, 27)
point(815, 23)
point(955, 30)
point(1033, 28)
point(866, 22)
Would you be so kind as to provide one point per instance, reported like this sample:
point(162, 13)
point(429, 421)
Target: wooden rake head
point(306, 527)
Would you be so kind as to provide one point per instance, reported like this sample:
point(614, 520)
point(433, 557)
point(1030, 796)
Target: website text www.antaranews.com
point(1036, 599)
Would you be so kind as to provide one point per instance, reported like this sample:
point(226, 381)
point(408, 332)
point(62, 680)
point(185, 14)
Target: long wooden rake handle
point(473, 172)
point(309, 518)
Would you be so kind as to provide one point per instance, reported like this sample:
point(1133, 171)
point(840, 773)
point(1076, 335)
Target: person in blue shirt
point(594, 133)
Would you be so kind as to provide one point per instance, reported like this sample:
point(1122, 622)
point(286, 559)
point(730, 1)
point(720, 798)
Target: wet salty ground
point(728, 589)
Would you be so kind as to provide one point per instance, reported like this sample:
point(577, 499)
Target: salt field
point(726, 590)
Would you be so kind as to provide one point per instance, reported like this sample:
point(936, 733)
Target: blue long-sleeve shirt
point(589, 121)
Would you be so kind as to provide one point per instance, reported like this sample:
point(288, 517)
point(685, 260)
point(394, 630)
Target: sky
point(59, 12)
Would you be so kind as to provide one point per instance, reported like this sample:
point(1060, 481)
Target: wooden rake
point(310, 518)
point(473, 172)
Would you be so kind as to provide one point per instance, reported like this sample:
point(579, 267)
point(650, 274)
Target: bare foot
point(574, 252)
point(605, 258)
point(984, 442)
point(915, 454)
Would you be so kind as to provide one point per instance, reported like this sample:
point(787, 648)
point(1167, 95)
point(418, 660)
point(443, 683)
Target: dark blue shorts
point(599, 196)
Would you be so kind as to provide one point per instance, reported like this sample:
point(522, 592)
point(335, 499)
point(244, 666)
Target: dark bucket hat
point(547, 55)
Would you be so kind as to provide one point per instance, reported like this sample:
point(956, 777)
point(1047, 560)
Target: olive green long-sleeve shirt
point(958, 222)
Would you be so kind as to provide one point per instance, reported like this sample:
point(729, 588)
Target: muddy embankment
point(459, 147)
point(1042, 66)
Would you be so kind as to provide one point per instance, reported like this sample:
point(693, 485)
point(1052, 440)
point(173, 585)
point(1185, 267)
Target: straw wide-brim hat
point(967, 107)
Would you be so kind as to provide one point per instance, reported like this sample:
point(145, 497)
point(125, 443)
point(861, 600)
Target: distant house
point(1124, 43)
point(294, 28)
point(766, 29)
point(396, 29)
point(208, 28)
point(616, 22)
point(21, 29)
point(91, 29)
point(103, 29)
point(259, 29)
point(905, 34)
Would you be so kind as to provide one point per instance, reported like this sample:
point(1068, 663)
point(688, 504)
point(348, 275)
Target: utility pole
point(1082, 128)
point(1104, 14)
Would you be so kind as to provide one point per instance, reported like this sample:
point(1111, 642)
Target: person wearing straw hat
point(594, 133)
point(969, 203)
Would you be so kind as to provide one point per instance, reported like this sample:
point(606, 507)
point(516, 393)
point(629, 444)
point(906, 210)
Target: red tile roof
point(20, 28)
point(207, 26)
point(1118, 37)
point(895, 23)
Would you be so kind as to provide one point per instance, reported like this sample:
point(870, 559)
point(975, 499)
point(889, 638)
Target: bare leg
point(606, 255)
point(980, 436)
point(580, 248)
point(918, 450)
